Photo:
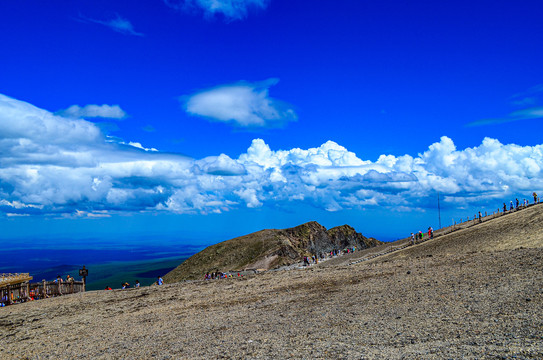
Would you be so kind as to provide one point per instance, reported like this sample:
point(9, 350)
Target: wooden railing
point(16, 288)
point(52, 288)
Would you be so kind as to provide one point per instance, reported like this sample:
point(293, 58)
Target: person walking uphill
point(535, 197)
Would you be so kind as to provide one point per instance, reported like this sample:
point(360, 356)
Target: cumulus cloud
point(220, 165)
point(230, 9)
point(93, 111)
point(243, 104)
point(118, 24)
point(52, 165)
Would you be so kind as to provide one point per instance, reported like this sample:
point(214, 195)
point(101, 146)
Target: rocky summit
point(473, 293)
point(268, 249)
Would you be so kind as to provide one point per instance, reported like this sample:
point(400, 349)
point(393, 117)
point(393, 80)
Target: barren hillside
point(475, 294)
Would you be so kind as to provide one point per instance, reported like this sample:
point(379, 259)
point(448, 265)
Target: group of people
point(215, 275)
point(126, 285)
point(513, 205)
point(337, 252)
point(219, 275)
point(314, 260)
point(517, 204)
point(69, 278)
point(307, 261)
point(420, 235)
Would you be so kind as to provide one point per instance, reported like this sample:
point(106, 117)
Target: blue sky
point(208, 119)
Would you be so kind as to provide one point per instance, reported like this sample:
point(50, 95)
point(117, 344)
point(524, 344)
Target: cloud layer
point(530, 103)
point(93, 111)
point(118, 24)
point(230, 9)
point(59, 166)
point(243, 104)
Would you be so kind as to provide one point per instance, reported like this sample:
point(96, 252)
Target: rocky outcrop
point(269, 249)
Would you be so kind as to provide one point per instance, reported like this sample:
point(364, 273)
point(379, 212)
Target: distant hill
point(267, 249)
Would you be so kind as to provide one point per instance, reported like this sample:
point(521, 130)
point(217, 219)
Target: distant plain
point(117, 262)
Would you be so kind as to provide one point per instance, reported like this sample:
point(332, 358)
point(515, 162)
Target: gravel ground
point(474, 294)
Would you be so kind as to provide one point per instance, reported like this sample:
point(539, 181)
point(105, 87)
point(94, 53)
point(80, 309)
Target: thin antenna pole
point(438, 210)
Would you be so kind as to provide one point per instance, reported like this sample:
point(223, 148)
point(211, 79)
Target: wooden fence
point(16, 288)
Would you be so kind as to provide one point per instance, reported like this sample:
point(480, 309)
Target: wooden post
point(44, 289)
point(27, 290)
point(10, 295)
point(83, 273)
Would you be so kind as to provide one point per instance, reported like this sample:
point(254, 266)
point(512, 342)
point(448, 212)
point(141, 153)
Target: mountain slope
point(520, 229)
point(268, 249)
point(479, 295)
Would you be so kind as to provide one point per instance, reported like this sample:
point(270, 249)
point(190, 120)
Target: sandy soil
point(474, 294)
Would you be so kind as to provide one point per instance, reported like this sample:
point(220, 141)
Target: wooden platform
point(13, 278)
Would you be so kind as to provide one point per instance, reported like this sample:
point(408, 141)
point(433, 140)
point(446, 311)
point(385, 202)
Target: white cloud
point(528, 97)
point(527, 100)
point(220, 165)
point(524, 114)
point(62, 166)
point(249, 196)
point(243, 104)
point(118, 24)
point(138, 146)
point(18, 205)
point(230, 9)
point(22, 126)
point(93, 111)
